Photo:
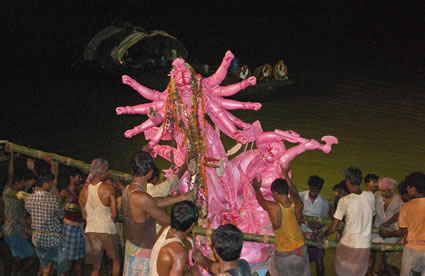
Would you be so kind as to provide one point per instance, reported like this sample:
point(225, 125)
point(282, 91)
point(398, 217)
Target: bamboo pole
point(326, 221)
point(197, 230)
point(62, 160)
point(201, 231)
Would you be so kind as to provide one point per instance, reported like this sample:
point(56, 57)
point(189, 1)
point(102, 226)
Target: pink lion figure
point(263, 163)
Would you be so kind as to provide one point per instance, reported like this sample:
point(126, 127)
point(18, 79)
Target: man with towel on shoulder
point(99, 207)
point(387, 205)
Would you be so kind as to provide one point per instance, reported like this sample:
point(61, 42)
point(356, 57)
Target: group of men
point(57, 236)
point(380, 206)
point(60, 242)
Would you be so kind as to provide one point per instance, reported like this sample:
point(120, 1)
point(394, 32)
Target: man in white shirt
point(317, 206)
point(358, 208)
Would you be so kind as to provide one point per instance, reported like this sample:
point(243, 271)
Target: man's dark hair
point(280, 186)
point(183, 215)
point(370, 177)
point(75, 172)
point(315, 181)
point(417, 180)
point(142, 163)
point(17, 177)
point(155, 173)
point(402, 188)
point(46, 178)
point(227, 241)
point(354, 175)
point(342, 186)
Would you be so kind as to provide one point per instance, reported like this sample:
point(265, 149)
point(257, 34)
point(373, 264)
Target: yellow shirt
point(412, 217)
point(288, 236)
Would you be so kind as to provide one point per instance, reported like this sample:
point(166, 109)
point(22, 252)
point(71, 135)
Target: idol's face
point(273, 152)
point(183, 78)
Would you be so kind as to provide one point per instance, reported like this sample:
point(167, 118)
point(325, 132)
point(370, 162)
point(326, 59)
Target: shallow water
point(378, 117)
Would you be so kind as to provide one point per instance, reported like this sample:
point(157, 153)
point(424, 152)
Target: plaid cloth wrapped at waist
point(70, 222)
point(45, 232)
point(300, 252)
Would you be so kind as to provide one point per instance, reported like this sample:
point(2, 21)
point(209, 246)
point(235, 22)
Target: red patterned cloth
point(98, 168)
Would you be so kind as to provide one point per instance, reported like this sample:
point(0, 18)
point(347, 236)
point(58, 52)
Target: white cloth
point(318, 208)
point(99, 218)
point(163, 189)
point(383, 216)
point(358, 211)
point(159, 244)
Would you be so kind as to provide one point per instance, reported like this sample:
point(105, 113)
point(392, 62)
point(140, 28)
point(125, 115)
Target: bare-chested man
point(99, 207)
point(169, 255)
point(141, 212)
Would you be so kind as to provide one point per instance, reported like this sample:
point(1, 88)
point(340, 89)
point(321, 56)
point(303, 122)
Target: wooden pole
point(63, 160)
point(326, 221)
point(197, 230)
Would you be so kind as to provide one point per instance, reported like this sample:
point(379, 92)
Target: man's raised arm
point(299, 205)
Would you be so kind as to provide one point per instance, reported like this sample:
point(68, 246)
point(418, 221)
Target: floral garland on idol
point(191, 122)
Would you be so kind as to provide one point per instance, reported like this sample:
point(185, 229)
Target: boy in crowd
point(412, 225)
point(358, 209)
point(291, 256)
point(317, 206)
point(371, 181)
point(342, 191)
point(73, 224)
point(169, 255)
point(46, 215)
point(227, 242)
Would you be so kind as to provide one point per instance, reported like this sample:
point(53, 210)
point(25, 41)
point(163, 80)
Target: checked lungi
point(136, 260)
point(290, 263)
point(314, 253)
point(73, 240)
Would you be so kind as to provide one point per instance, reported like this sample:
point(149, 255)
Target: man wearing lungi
point(73, 225)
point(412, 225)
point(317, 206)
point(141, 212)
point(358, 208)
point(290, 257)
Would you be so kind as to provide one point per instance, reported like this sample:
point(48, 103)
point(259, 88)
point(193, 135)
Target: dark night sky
point(54, 33)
